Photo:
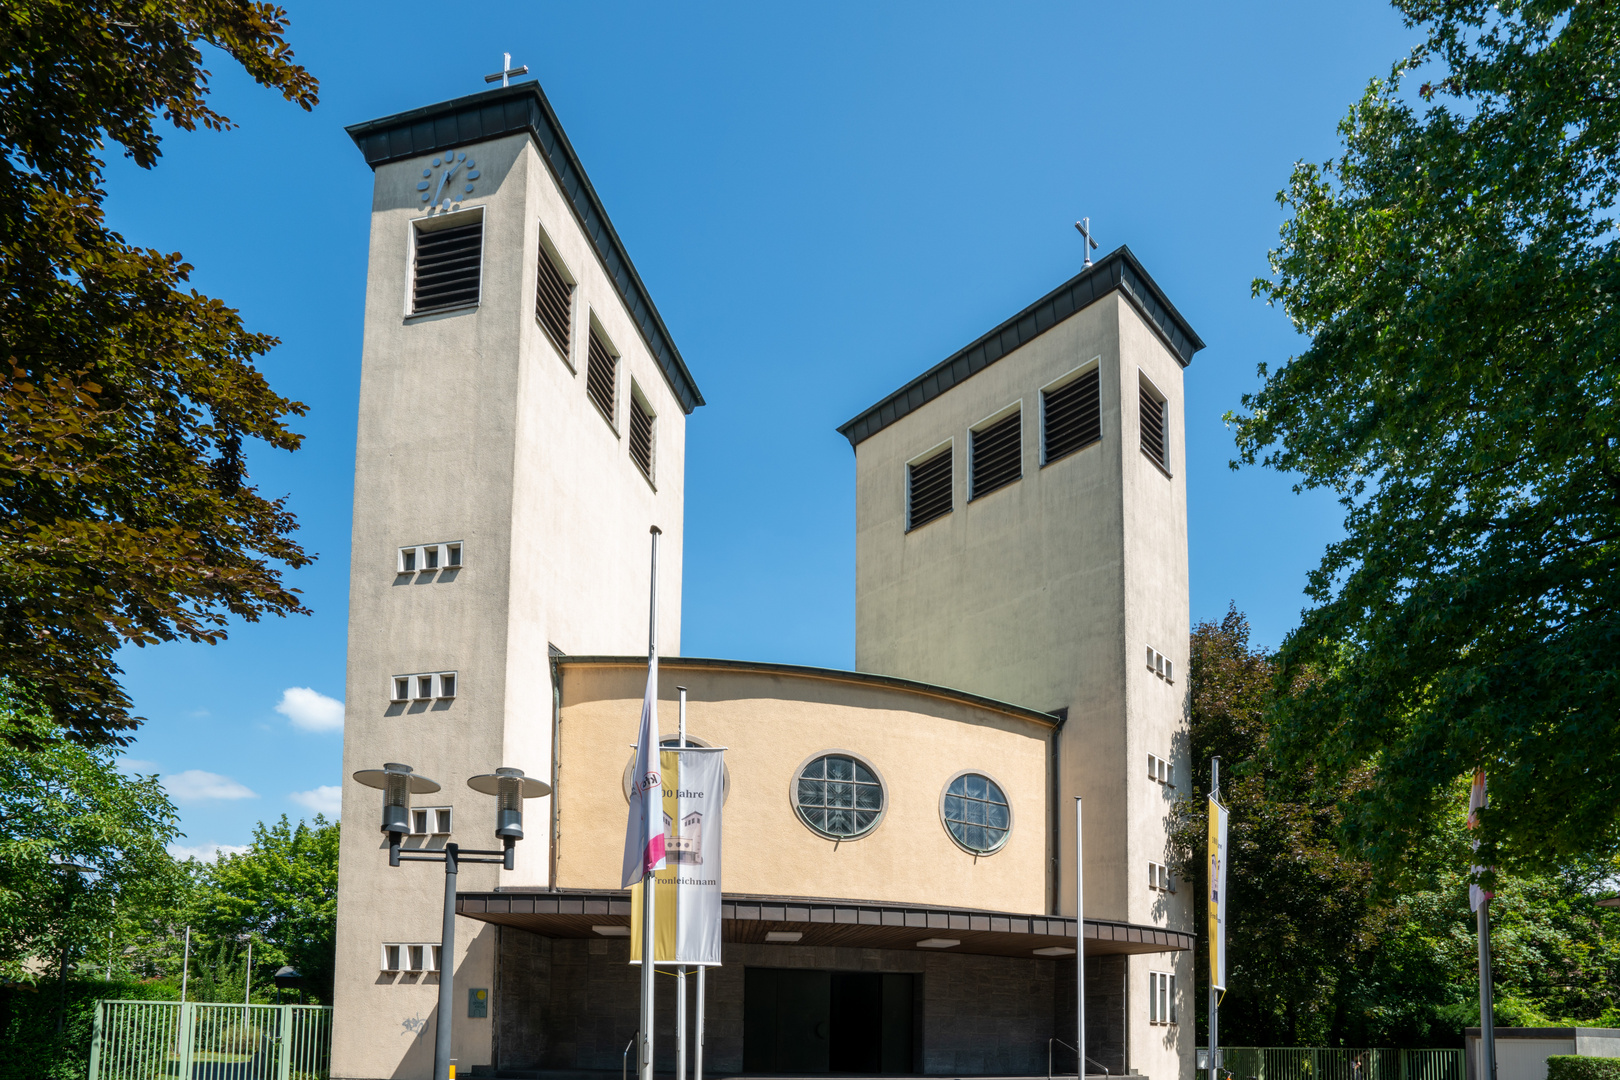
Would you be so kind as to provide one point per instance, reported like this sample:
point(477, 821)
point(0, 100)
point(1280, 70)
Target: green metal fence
point(165, 1040)
point(1325, 1063)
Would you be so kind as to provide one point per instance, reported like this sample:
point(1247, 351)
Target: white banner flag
point(643, 853)
point(687, 914)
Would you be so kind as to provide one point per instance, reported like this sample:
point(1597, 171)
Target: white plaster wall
point(473, 428)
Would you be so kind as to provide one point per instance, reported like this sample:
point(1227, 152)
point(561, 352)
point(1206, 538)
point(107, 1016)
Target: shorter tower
point(1022, 534)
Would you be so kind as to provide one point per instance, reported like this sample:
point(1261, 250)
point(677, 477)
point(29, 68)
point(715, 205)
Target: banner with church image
point(687, 915)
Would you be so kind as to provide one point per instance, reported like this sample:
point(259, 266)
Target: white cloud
point(326, 799)
point(310, 709)
point(194, 785)
point(205, 852)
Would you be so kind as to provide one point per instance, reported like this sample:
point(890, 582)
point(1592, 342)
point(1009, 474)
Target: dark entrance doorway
point(799, 1021)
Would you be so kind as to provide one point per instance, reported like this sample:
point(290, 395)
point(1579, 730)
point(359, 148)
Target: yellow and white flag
point(687, 915)
point(1217, 895)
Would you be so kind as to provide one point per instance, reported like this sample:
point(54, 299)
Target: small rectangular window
point(1072, 416)
point(438, 956)
point(448, 267)
point(1154, 431)
point(441, 821)
point(1169, 775)
point(424, 687)
point(447, 684)
point(430, 557)
point(1151, 656)
point(390, 957)
point(1169, 671)
point(417, 956)
point(996, 455)
point(553, 300)
point(452, 556)
point(602, 377)
point(928, 489)
point(1153, 767)
point(419, 822)
point(407, 560)
point(402, 689)
point(1153, 875)
point(1170, 999)
point(1158, 662)
point(641, 435)
point(1153, 997)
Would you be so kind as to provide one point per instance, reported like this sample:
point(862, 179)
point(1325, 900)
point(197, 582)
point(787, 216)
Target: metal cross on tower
point(1090, 245)
point(507, 70)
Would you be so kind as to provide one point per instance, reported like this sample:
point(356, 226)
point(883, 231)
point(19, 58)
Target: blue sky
point(823, 202)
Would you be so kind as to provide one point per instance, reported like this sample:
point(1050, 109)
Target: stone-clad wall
point(572, 1004)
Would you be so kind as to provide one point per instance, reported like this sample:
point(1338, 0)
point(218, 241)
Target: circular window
point(838, 796)
point(976, 813)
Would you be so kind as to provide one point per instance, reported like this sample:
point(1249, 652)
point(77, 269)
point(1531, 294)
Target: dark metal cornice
point(511, 110)
point(1118, 270)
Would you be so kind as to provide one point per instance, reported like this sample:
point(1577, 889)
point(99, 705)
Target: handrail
point(1066, 1046)
point(627, 1046)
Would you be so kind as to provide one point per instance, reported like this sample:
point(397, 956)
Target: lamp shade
point(510, 787)
point(398, 783)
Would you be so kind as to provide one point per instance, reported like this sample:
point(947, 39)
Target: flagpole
point(680, 972)
point(1079, 943)
point(649, 884)
point(1477, 801)
point(1214, 998)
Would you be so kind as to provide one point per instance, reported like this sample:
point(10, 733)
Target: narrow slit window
point(416, 957)
point(1153, 428)
point(641, 436)
point(448, 267)
point(602, 377)
point(1072, 416)
point(430, 557)
point(997, 453)
point(438, 957)
point(424, 686)
point(553, 300)
point(928, 489)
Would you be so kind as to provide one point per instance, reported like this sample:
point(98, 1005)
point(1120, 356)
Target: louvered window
point(1073, 415)
point(641, 436)
point(553, 300)
point(601, 377)
point(1153, 411)
point(928, 489)
point(447, 267)
point(997, 453)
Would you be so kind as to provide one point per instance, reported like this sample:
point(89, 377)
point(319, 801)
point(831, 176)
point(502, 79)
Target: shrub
point(1571, 1067)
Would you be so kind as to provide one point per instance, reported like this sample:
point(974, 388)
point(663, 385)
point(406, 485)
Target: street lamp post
point(398, 783)
point(72, 873)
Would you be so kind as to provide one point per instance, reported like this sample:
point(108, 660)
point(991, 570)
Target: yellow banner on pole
point(1217, 895)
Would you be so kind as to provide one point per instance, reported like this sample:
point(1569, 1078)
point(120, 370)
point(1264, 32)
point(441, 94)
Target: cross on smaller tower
point(1090, 245)
point(507, 71)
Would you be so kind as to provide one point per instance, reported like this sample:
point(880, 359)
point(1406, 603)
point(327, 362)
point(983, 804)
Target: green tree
point(68, 803)
point(1456, 270)
point(125, 396)
point(283, 891)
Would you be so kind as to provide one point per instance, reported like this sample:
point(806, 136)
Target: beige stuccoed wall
point(472, 427)
point(1046, 593)
point(773, 723)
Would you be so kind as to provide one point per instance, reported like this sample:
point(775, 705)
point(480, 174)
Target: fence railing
point(1333, 1063)
point(165, 1040)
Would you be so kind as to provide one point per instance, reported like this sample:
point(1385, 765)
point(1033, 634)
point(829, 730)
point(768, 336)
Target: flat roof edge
point(509, 110)
point(890, 682)
point(1119, 270)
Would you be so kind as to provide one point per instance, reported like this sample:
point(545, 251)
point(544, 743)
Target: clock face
point(447, 181)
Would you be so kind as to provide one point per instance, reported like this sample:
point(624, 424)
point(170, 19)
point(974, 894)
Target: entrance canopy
point(574, 913)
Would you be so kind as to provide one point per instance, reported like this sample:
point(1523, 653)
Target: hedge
point(1571, 1067)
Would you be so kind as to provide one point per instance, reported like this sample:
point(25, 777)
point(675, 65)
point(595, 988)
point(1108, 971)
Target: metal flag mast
point(1079, 943)
point(1481, 900)
point(650, 820)
point(680, 970)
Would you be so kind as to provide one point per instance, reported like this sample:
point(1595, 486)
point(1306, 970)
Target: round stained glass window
point(838, 796)
point(976, 813)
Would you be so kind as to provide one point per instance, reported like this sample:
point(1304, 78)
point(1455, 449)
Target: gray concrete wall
point(569, 1004)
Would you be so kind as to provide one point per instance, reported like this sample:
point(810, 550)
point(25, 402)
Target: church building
point(899, 839)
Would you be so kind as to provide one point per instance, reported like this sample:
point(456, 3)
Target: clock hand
point(444, 178)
